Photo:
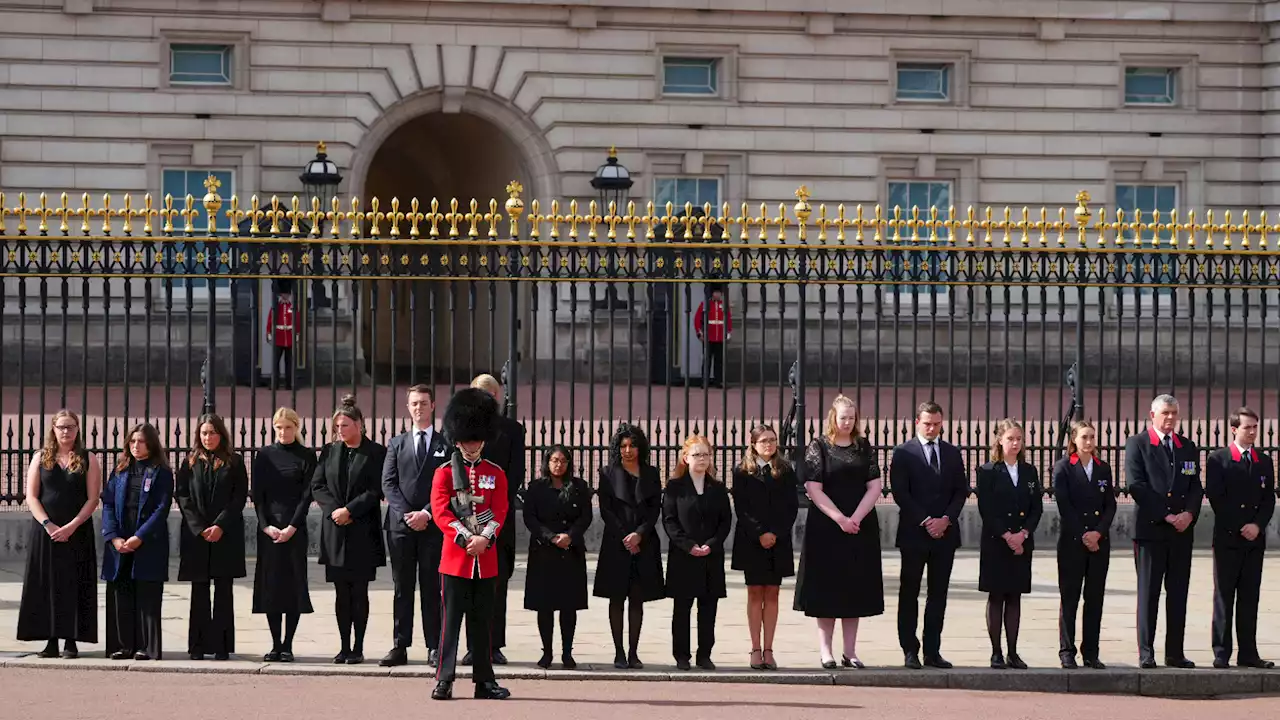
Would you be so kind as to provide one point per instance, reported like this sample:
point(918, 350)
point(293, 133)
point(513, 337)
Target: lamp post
point(612, 182)
point(320, 177)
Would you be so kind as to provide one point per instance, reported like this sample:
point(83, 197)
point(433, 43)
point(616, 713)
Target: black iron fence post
point(212, 202)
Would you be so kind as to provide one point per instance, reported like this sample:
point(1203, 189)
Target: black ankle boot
point(544, 662)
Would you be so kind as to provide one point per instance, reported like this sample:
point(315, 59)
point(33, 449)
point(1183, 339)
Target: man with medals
point(468, 503)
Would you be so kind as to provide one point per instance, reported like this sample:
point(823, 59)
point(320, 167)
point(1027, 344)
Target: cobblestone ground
point(109, 695)
point(964, 642)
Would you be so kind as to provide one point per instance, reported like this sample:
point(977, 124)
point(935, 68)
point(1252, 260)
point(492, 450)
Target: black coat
point(921, 493)
point(557, 579)
point(1161, 486)
point(691, 520)
point(628, 506)
point(209, 496)
point(1006, 507)
point(407, 486)
point(764, 504)
point(357, 546)
point(507, 451)
point(1084, 504)
point(1239, 498)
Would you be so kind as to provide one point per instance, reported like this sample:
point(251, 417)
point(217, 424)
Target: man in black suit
point(1241, 485)
point(1162, 470)
point(929, 484)
point(413, 539)
point(507, 451)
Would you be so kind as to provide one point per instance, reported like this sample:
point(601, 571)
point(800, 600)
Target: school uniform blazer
point(358, 545)
point(151, 560)
point(1006, 507)
point(1161, 486)
point(923, 493)
point(1084, 504)
point(1239, 497)
point(406, 484)
point(490, 482)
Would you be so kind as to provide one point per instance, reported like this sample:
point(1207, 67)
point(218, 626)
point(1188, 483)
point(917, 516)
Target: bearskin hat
point(471, 415)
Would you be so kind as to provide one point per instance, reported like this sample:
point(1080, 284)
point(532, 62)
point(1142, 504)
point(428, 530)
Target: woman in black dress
point(211, 487)
point(1009, 500)
point(347, 486)
point(60, 585)
point(766, 502)
point(629, 567)
point(282, 475)
point(840, 559)
point(557, 511)
point(697, 518)
point(135, 560)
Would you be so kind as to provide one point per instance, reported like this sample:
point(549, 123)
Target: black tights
point(1006, 607)
point(546, 627)
point(635, 619)
point(352, 608)
point(291, 627)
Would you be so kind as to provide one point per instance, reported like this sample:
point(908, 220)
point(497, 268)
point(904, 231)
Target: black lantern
point(320, 178)
point(612, 183)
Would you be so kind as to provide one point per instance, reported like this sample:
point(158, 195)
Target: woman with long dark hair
point(348, 488)
point(629, 567)
point(135, 560)
point(282, 475)
point(557, 511)
point(211, 487)
point(59, 585)
point(766, 501)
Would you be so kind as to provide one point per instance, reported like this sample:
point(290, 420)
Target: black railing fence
point(589, 318)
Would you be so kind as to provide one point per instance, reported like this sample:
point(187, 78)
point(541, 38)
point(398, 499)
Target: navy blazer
point(921, 493)
point(1238, 497)
point(151, 560)
point(405, 485)
point(1162, 486)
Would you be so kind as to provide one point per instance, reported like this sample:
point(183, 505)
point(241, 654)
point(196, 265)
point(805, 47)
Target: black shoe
point(544, 662)
point(1181, 663)
point(221, 656)
point(397, 656)
point(705, 664)
point(620, 662)
point(70, 651)
point(1015, 662)
point(141, 656)
point(49, 651)
point(273, 656)
point(1095, 664)
point(466, 658)
point(912, 662)
point(683, 665)
point(443, 691)
point(1069, 662)
point(498, 659)
point(355, 658)
point(196, 656)
point(433, 657)
point(1222, 663)
point(341, 657)
point(831, 665)
point(854, 663)
point(491, 691)
point(567, 661)
point(937, 661)
point(997, 661)
point(1258, 663)
point(1147, 664)
point(121, 655)
point(634, 663)
point(286, 656)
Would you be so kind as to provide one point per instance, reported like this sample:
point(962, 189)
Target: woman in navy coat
point(135, 558)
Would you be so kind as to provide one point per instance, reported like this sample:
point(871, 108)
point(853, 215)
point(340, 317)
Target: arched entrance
point(445, 331)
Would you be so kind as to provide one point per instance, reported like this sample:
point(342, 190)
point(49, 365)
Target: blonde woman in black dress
point(840, 573)
point(60, 586)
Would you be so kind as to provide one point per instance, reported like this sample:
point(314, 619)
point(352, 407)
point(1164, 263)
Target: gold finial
point(322, 147)
point(613, 152)
point(212, 202)
point(514, 206)
point(801, 208)
point(1082, 215)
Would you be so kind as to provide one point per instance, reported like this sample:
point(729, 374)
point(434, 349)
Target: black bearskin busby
point(471, 415)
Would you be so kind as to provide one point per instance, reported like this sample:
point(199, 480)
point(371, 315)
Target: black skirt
point(280, 577)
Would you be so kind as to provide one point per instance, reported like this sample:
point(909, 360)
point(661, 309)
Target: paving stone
point(1111, 681)
point(1054, 681)
point(1166, 682)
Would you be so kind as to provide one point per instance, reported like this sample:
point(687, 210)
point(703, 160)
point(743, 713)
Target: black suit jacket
point(1161, 485)
point(405, 483)
point(507, 451)
point(1239, 498)
point(1084, 504)
point(921, 493)
point(1006, 507)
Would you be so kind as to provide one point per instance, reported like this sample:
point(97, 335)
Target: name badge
point(146, 484)
point(487, 482)
point(1188, 468)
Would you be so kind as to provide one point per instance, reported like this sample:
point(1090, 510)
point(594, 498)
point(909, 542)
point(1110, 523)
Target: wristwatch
point(44, 522)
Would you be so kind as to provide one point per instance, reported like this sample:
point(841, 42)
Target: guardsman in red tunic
point(719, 328)
point(280, 333)
point(469, 504)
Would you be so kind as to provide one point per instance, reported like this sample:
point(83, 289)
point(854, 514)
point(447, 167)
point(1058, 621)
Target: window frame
point(661, 207)
point(222, 285)
point(716, 68)
point(957, 60)
point(948, 71)
point(725, 58)
point(227, 52)
point(1172, 83)
point(934, 260)
point(1168, 281)
point(1186, 81)
point(238, 43)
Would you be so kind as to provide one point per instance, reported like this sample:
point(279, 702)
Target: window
point(193, 64)
point(690, 76)
point(181, 183)
point(1148, 267)
point(681, 190)
point(924, 82)
point(1150, 86)
point(914, 265)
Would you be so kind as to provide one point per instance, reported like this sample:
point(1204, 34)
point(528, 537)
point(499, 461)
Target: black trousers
point(1237, 584)
point(133, 616)
point(938, 559)
point(212, 630)
point(713, 363)
point(276, 376)
point(1081, 570)
point(506, 567)
point(1167, 564)
point(680, 613)
point(470, 598)
point(415, 559)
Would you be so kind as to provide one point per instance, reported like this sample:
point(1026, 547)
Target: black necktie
point(422, 449)
point(1168, 446)
point(933, 458)
point(1247, 458)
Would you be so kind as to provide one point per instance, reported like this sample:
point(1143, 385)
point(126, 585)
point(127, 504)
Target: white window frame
point(924, 293)
point(239, 44)
point(199, 290)
point(1185, 68)
point(726, 58)
point(959, 60)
